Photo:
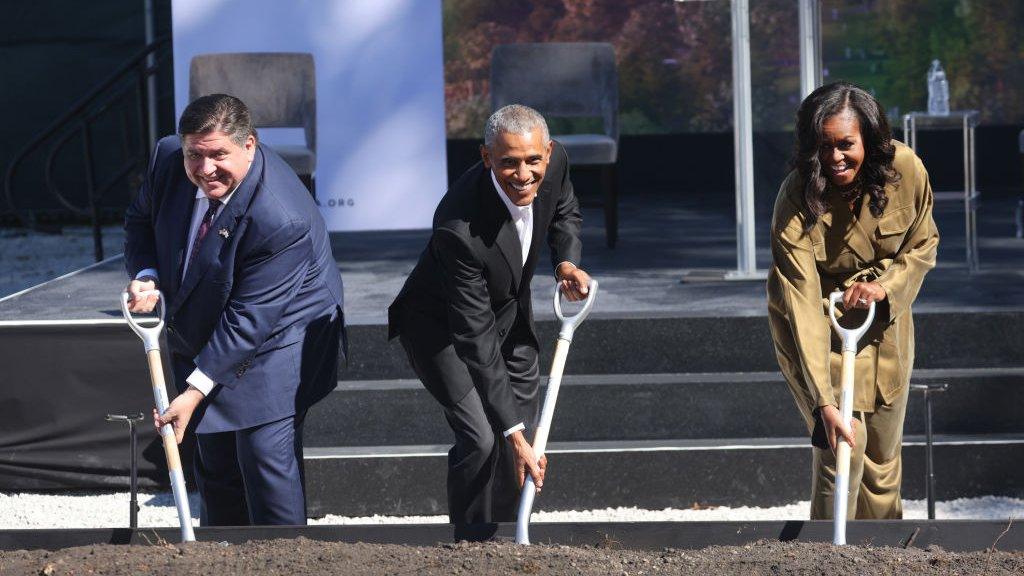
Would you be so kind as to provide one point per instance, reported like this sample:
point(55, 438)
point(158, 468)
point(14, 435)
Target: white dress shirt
point(197, 379)
point(522, 217)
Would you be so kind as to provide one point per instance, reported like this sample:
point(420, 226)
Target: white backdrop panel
point(380, 95)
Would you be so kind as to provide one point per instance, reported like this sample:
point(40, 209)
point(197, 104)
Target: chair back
point(278, 87)
point(568, 79)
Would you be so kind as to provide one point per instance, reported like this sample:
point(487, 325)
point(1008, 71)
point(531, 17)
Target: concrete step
point(661, 343)
point(404, 480)
point(657, 406)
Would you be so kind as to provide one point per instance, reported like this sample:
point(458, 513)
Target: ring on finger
point(862, 300)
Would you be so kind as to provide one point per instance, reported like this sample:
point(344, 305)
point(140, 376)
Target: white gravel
point(23, 510)
point(28, 258)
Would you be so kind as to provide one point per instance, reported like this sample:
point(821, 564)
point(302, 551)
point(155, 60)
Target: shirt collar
point(517, 212)
point(223, 200)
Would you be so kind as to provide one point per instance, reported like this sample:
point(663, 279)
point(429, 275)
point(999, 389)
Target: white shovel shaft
point(547, 413)
point(525, 509)
point(181, 503)
point(151, 340)
point(849, 337)
point(540, 441)
point(841, 494)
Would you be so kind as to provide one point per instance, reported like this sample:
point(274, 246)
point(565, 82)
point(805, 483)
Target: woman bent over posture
point(855, 216)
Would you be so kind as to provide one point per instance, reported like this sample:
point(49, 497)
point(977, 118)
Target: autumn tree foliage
point(675, 58)
point(980, 44)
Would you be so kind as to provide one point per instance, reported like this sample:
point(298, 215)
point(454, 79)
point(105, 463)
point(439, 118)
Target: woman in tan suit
point(855, 216)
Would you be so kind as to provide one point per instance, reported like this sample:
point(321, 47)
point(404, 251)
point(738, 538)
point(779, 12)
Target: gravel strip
point(26, 510)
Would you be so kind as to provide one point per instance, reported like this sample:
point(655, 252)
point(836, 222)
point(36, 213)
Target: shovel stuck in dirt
point(151, 340)
point(540, 439)
point(849, 337)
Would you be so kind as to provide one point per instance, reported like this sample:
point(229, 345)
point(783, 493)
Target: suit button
point(502, 332)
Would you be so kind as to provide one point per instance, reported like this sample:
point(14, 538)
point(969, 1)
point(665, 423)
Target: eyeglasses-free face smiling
point(215, 163)
point(519, 162)
point(841, 149)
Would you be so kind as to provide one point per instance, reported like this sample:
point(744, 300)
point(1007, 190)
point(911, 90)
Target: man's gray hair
point(514, 119)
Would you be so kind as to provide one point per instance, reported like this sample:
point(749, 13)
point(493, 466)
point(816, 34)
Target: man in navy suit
point(254, 316)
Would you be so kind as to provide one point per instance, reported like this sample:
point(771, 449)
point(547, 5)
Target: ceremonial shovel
point(151, 340)
point(850, 337)
point(540, 439)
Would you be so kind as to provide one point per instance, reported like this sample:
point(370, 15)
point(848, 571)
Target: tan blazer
point(896, 250)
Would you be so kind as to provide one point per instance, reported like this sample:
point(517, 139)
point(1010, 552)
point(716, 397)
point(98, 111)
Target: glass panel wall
point(674, 58)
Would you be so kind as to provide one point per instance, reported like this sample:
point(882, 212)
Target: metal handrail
point(82, 113)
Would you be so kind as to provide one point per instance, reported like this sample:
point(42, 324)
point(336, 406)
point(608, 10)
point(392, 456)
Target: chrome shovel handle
point(150, 335)
point(570, 323)
point(849, 336)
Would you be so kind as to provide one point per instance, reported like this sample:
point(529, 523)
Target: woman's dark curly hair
point(875, 172)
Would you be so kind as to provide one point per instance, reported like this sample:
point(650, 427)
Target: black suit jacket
point(470, 285)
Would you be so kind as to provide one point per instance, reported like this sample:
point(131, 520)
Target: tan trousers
point(876, 467)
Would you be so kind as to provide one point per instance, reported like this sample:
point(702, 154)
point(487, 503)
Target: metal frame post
point(928, 391)
point(151, 77)
point(929, 462)
point(970, 199)
point(969, 120)
point(743, 146)
point(743, 131)
point(810, 46)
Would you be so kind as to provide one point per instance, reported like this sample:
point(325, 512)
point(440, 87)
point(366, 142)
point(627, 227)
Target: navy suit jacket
point(259, 309)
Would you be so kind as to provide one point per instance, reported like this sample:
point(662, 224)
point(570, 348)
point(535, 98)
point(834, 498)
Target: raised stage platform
point(672, 395)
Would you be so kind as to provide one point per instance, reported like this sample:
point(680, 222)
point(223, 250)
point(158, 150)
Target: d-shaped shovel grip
point(150, 335)
point(570, 323)
point(849, 336)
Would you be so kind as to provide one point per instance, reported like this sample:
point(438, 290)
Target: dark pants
point(482, 483)
point(252, 476)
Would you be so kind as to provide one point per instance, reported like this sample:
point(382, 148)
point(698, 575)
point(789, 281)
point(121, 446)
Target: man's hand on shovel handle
point(526, 462)
point(179, 412)
point(142, 295)
point(575, 283)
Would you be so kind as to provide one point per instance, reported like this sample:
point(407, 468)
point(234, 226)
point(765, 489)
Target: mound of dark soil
point(304, 556)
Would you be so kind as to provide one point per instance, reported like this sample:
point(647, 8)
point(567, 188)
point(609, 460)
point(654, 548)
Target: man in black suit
point(465, 317)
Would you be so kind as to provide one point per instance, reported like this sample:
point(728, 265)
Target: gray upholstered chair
point(278, 87)
point(568, 80)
